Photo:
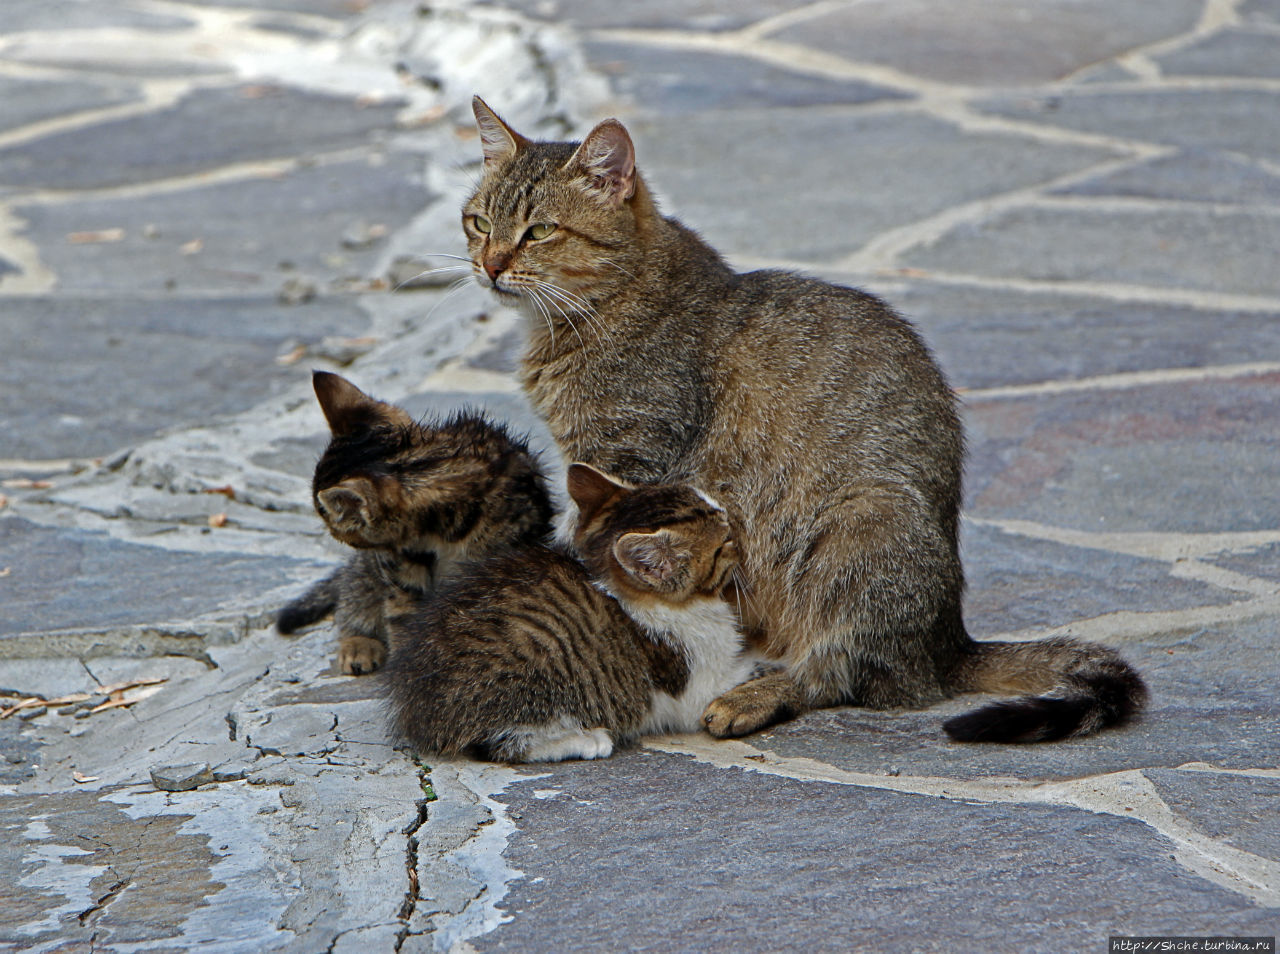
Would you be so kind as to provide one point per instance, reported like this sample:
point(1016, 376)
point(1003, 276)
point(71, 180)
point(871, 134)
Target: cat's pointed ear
point(658, 560)
point(348, 409)
point(592, 489)
point(607, 158)
point(344, 505)
point(498, 140)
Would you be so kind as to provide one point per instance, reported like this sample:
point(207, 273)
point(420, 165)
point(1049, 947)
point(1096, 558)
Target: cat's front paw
point(358, 655)
point(752, 706)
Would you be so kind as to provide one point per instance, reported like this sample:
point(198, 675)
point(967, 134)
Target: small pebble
point(181, 778)
point(34, 712)
point(297, 291)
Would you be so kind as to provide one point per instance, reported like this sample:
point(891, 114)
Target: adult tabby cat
point(416, 499)
point(532, 656)
point(813, 411)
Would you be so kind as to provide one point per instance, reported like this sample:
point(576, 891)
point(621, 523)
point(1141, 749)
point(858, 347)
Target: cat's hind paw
point(557, 746)
point(358, 655)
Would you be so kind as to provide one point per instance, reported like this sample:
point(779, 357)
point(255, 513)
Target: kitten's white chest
point(707, 632)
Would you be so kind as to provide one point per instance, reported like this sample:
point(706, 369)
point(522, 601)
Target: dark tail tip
point(1032, 719)
point(300, 613)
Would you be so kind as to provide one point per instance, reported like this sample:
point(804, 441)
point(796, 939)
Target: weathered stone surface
point(1229, 53)
point(1196, 175)
point(82, 15)
point(979, 42)
point(895, 170)
point(1189, 457)
point(709, 15)
point(1260, 11)
point(668, 82)
point(1239, 809)
point(1207, 250)
point(157, 364)
point(24, 101)
point(753, 839)
point(1188, 118)
point(1263, 561)
point(161, 584)
point(1018, 583)
point(986, 338)
point(194, 241)
point(181, 778)
point(1210, 677)
point(209, 128)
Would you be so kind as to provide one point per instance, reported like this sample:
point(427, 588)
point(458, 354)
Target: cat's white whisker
point(430, 271)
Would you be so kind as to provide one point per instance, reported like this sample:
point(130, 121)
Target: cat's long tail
point(312, 606)
point(1071, 688)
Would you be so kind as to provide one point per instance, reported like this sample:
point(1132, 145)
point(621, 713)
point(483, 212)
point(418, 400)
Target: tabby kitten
point(813, 411)
point(416, 500)
point(532, 656)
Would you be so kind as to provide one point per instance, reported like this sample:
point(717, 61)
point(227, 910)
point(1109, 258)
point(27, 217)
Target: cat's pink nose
point(495, 265)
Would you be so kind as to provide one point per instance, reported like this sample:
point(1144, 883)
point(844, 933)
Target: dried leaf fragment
point(28, 703)
point(96, 236)
point(26, 483)
point(81, 778)
point(291, 357)
point(131, 683)
point(226, 490)
point(118, 698)
point(218, 519)
point(194, 247)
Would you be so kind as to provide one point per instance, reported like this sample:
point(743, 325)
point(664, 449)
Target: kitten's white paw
point(556, 745)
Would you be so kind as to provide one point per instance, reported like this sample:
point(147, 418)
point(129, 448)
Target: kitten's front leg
point(358, 655)
point(755, 704)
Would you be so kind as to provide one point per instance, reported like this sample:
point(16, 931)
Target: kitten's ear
point(592, 489)
point(344, 505)
point(498, 140)
point(658, 560)
point(348, 409)
point(607, 158)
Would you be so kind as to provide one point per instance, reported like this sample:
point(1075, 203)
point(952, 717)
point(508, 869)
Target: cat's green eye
point(541, 230)
point(483, 225)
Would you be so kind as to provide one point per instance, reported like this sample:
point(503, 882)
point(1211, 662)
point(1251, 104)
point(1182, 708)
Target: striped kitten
point(535, 657)
point(415, 500)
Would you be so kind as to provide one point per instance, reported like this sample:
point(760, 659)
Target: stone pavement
point(1079, 205)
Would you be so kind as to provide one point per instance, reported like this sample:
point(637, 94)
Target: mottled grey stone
point(986, 337)
point(207, 129)
point(1018, 583)
point(890, 169)
point(24, 101)
point(852, 865)
point(669, 82)
point(1189, 118)
point(1228, 53)
point(20, 750)
point(1263, 562)
point(299, 218)
point(23, 16)
point(116, 583)
point(293, 730)
point(998, 42)
point(295, 456)
point(1239, 809)
point(1208, 250)
point(181, 778)
point(706, 15)
point(50, 678)
point(1196, 175)
point(1184, 457)
point(335, 9)
point(156, 364)
point(1210, 702)
point(1260, 11)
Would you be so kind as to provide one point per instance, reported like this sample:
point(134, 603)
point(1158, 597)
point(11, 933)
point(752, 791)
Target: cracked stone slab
point(669, 82)
point(1263, 562)
point(299, 219)
point(705, 15)
point(1017, 583)
point(1195, 175)
point(1239, 809)
point(158, 364)
point(989, 337)
point(1186, 457)
point(1187, 118)
point(24, 101)
point(991, 42)
point(1207, 250)
point(1209, 677)
point(208, 129)
point(746, 840)
point(907, 167)
point(161, 584)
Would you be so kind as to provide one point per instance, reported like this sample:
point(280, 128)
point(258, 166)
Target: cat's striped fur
point(535, 656)
point(813, 411)
point(416, 499)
